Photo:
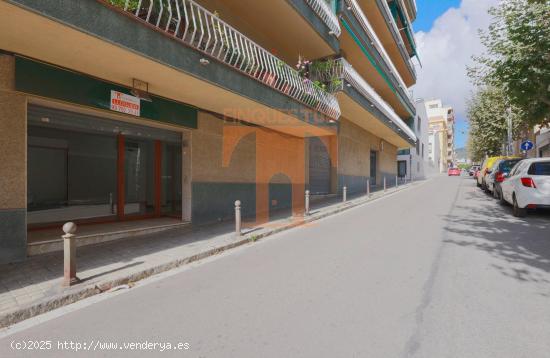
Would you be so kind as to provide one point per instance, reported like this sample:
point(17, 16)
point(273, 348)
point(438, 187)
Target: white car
point(528, 185)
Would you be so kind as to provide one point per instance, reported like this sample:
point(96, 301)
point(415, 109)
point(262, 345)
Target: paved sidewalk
point(34, 286)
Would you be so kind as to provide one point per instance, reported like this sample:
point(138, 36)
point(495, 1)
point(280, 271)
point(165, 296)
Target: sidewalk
point(33, 287)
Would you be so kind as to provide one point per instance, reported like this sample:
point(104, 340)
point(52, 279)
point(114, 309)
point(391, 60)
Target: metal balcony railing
point(395, 28)
point(341, 72)
point(323, 10)
point(202, 30)
point(365, 24)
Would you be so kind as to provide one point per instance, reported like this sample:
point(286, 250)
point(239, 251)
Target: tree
point(518, 57)
point(488, 112)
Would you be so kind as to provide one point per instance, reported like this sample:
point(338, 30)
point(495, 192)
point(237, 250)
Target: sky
point(447, 38)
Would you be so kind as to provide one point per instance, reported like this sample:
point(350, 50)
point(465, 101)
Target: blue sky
point(428, 12)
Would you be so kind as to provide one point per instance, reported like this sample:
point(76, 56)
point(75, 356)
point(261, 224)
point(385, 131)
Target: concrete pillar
point(69, 255)
point(307, 203)
point(368, 187)
point(344, 194)
point(238, 230)
point(13, 166)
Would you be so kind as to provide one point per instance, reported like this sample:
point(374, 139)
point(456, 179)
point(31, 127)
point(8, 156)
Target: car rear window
point(542, 168)
point(507, 165)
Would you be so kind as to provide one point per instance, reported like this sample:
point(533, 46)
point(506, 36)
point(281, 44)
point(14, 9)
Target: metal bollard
point(344, 194)
point(396, 181)
point(69, 255)
point(384, 184)
point(368, 187)
point(307, 203)
point(238, 218)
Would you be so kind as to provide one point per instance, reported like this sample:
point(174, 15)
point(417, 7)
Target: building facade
point(441, 130)
point(412, 163)
point(116, 110)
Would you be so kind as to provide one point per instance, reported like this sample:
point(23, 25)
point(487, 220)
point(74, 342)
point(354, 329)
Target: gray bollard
point(384, 183)
point(307, 203)
point(396, 181)
point(368, 187)
point(69, 255)
point(344, 194)
point(238, 218)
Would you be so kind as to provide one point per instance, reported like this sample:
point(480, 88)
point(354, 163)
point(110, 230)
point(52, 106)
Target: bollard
point(307, 203)
point(396, 181)
point(238, 218)
point(344, 194)
point(69, 255)
point(368, 187)
point(384, 183)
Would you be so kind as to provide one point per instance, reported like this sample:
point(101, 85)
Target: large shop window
point(75, 170)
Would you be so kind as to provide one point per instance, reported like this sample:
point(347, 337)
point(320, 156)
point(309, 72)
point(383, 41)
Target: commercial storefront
point(87, 168)
point(86, 150)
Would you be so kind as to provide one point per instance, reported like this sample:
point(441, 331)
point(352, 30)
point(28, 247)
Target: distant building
point(412, 162)
point(441, 126)
point(542, 142)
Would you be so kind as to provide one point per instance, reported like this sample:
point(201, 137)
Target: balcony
point(400, 25)
point(308, 28)
point(194, 26)
point(359, 41)
point(326, 14)
point(360, 102)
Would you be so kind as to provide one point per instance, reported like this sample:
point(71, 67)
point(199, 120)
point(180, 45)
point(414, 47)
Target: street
point(440, 270)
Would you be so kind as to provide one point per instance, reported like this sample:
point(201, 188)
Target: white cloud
point(446, 50)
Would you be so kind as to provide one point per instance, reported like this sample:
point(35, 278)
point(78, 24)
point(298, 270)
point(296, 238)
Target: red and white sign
point(122, 102)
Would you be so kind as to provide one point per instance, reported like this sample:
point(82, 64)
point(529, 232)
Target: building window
point(422, 150)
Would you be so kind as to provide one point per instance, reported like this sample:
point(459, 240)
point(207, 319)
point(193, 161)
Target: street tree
point(518, 57)
point(488, 111)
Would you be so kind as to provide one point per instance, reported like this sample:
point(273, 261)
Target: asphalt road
point(438, 271)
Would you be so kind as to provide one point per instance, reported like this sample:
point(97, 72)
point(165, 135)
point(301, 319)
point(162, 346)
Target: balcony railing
point(341, 72)
point(396, 30)
point(323, 10)
point(202, 30)
point(365, 24)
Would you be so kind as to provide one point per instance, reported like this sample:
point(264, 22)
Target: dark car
point(501, 170)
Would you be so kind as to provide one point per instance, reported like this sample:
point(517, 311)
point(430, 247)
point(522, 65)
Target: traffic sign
point(527, 145)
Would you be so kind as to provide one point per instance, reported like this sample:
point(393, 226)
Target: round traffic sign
point(527, 145)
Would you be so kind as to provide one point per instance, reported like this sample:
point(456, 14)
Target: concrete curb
point(78, 293)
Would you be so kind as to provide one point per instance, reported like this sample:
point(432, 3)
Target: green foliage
point(488, 112)
point(518, 57)
point(132, 4)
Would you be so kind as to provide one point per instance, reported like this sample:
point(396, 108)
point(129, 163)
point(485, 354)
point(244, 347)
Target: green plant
point(132, 4)
point(253, 238)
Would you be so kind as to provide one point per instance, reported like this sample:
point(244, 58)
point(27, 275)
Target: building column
point(13, 166)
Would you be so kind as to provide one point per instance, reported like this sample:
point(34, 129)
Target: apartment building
point(412, 162)
point(166, 112)
point(441, 129)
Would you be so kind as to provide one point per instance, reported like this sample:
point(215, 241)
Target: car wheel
point(495, 193)
point(518, 212)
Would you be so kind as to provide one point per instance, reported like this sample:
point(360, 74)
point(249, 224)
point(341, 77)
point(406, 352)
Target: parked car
point(528, 185)
point(486, 170)
point(499, 172)
point(473, 170)
point(453, 171)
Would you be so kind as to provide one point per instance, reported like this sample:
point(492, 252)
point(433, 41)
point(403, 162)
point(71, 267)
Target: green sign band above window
point(49, 81)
